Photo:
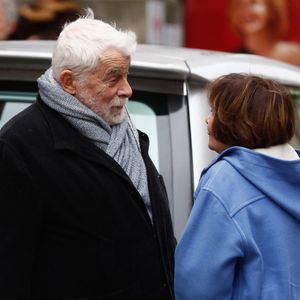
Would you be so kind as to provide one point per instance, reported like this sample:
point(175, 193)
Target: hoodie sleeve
point(207, 254)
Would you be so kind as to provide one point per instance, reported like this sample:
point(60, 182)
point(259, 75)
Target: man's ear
point(68, 82)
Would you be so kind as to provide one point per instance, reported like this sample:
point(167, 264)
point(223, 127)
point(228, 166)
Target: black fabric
point(72, 225)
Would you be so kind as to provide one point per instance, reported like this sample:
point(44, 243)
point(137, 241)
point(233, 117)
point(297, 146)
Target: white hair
point(81, 43)
point(10, 9)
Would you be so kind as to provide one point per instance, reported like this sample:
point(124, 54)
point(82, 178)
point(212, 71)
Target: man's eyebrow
point(113, 72)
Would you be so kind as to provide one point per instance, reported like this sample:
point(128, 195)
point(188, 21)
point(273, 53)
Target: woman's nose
point(207, 118)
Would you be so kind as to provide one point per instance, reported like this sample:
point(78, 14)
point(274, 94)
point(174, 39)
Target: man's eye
point(112, 81)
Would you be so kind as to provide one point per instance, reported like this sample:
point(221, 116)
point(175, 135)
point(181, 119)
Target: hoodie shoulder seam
point(244, 204)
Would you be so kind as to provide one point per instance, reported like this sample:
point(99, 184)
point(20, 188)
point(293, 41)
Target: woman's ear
point(68, 82)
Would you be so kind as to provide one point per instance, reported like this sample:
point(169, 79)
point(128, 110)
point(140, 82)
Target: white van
point(169, 102)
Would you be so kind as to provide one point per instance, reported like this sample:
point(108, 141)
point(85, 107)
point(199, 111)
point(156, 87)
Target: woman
point(242, 239)
point(261, 25)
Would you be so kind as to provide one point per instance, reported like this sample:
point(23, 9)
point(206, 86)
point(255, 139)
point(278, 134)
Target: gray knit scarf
point(118, 141)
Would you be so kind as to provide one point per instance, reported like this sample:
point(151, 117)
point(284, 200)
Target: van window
point(12, 103)
point(144, 118)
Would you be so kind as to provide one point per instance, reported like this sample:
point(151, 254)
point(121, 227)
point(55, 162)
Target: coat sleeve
point(18, 226)
point(207, 254)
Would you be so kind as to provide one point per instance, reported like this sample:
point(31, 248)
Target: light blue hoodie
point(242, 240)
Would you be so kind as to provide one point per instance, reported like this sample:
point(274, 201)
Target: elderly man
point(86, 213)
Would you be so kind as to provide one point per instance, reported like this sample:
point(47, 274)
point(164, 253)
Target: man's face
point(106, 90)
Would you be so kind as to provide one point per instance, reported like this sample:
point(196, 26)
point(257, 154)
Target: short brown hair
point(251, 111)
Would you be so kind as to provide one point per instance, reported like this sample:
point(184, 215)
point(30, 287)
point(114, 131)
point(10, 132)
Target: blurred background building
point(154, 21)
point(201, 24)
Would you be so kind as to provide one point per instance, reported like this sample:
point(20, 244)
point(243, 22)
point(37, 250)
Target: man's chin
point(116, 118)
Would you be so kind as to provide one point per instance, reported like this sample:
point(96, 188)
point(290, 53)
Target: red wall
point(206, 24)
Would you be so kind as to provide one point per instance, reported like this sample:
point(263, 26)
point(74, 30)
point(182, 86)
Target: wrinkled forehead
point(113, 63)
point(115, 59)
point(113, 53)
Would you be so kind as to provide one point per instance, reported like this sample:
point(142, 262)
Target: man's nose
point(125, 90)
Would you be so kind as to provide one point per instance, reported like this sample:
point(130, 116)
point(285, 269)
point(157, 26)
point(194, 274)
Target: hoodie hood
point(278, 179)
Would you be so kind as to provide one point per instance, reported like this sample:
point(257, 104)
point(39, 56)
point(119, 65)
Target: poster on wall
point(265, 27)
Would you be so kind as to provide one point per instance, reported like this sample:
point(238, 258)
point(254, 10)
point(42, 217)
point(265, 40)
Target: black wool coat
point(72, 225)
